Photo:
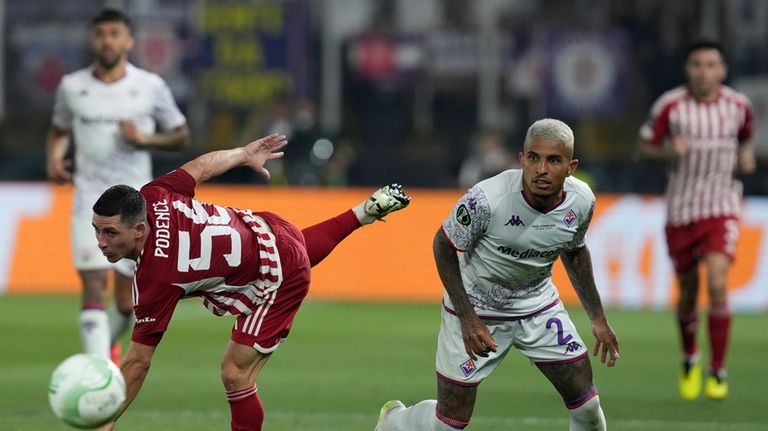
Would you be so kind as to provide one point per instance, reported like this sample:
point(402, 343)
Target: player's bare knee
point(234, 377)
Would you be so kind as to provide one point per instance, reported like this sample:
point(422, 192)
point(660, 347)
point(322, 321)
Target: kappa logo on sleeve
point(462, 215)
point(468, 367)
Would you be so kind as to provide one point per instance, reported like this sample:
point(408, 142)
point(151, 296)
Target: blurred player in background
point(111, 110)
point(702, 129)
point(254, 265)
point(510, 229)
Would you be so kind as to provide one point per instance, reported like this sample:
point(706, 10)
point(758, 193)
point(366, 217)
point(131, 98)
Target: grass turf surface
point(343, 360)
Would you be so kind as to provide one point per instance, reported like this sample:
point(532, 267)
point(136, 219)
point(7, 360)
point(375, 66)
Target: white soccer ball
point(86, 391)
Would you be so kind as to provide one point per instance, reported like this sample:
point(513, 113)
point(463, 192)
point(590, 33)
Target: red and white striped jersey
point(701, 183)
point(222, 254)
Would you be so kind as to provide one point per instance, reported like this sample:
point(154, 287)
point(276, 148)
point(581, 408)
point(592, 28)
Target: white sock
point(118, 323)
point(94, 331)
point(588, 416)
point(362, 217)
point(418, 417)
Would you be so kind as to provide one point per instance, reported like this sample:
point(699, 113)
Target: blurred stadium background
point(423, 92)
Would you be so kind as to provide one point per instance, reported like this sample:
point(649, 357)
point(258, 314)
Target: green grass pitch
point(343, 360)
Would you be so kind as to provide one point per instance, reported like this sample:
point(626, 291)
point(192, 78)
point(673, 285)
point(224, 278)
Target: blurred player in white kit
point(111, 110)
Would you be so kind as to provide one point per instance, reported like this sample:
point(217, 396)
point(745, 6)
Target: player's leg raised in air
point(323, 237)
point(257, 335)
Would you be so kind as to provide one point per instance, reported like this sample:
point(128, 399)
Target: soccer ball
point(86, 391)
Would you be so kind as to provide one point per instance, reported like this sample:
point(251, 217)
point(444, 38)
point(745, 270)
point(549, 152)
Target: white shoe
point(389, 406)
point(385, 200)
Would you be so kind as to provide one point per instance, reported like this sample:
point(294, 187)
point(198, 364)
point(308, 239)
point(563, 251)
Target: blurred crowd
point(430, 93)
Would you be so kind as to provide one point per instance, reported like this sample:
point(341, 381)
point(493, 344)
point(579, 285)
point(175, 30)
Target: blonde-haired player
point(510, 229)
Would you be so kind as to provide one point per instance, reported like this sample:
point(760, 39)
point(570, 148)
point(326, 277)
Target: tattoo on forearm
point(578, 264)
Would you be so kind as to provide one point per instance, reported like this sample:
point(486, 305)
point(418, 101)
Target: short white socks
point(588, 416)
point(94, 331)
point(419, 417)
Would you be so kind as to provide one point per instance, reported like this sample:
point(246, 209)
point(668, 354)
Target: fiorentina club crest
point(468, 367)
point(569, 218)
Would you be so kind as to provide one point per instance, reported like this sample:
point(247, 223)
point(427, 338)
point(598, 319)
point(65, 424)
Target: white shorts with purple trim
point(545, 336)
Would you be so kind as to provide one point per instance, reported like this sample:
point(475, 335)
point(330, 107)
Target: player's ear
point(141, 229)
point(572, 165)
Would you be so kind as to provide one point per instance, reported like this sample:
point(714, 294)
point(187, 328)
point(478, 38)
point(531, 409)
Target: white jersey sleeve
point(581, 232)
point(62, 114)
point(165, 112)
point(468, 220)
point(583, 218)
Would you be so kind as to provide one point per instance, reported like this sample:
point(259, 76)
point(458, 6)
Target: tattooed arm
point(460, 232)
point(578, 265)
point(478, 340)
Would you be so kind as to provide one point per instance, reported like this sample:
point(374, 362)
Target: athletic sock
point(719, 328)
point(422, 416)
point(588, 416)
point(687, 324)
point(118, 322)
point(323, 237)
point(94, 329)
point(246, 410)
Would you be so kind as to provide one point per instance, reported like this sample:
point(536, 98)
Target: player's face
point(705, 70)
point(545, 166)
point(116, 239)
point(110, 43)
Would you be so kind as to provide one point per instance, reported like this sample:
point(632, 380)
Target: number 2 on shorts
point(560, 339)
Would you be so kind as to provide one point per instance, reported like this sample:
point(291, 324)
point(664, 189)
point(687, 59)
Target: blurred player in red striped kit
point(703, 130)
point(254, 265)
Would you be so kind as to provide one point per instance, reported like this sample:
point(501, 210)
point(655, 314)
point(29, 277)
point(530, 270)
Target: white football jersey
point(92, 110)
point(508, 247)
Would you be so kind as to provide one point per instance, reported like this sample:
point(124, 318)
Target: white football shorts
point(85, 249)
point(545, 336)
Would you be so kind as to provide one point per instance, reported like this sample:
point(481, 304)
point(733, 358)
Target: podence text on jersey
point(162, 212)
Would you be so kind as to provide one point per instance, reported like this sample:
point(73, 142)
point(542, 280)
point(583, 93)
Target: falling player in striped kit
point(254, 265)
point(703, 129)
point(111, 111)
point(494, 254)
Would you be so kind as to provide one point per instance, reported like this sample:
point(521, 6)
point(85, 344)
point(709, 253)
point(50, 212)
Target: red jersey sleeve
point(153, 317)
point(656, 127)
point(178, 181)
point(747, 129)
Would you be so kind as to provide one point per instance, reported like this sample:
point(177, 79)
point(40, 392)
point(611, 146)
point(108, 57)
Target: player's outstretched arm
point(253, 155)
point(478, 340)
point(135, 367)
point(578, 265)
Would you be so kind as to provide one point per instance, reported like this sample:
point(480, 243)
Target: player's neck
point(543, 204)
point(110, 74)
point(706, 97)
